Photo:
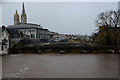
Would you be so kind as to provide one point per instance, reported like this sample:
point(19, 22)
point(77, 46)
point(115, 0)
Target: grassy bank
point(61, 49)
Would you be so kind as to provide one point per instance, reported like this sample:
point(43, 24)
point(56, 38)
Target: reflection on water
point(60, 66)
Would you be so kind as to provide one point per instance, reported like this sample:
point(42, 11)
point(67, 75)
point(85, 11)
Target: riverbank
point(62, 49)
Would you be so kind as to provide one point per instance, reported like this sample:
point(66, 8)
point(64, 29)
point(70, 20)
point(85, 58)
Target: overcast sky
point(61, 17)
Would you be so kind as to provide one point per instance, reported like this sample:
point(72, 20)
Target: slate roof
point(25, 26)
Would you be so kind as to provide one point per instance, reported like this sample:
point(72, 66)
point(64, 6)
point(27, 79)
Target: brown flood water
point(60, 66)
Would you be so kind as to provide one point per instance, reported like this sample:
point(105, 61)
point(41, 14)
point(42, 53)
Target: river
point(60, 66)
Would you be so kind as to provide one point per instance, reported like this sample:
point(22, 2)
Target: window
point(28, 36)
point(32, 35)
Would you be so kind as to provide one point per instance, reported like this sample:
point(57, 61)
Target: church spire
point(23, 15)
point(16, 13)
point(16, 18)
point(23, 9)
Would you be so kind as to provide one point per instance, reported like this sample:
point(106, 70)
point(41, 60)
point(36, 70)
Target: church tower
point(23, 16)
point(16, 18)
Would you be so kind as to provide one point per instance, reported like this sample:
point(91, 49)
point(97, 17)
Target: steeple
point(16, 18)
point(23, 15)
point(16, 13)
point(23, 9)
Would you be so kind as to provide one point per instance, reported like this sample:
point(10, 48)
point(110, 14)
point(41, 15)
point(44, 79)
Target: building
point(29, 30)
point(23, 17)
point(5, 39)
point(60, 38)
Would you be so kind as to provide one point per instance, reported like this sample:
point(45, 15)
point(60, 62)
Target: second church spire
point(23, 16)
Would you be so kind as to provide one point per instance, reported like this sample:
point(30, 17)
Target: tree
point(104, 37)
point(110, 19)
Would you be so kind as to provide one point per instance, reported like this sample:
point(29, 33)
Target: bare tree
point(110, 19)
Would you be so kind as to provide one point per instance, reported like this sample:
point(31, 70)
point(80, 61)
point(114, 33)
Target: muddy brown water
point(60, 66)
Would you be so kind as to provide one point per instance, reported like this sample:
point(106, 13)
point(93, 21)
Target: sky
point(61, 17)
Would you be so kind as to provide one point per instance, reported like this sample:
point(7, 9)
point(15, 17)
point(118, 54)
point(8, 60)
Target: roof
point(25, 26)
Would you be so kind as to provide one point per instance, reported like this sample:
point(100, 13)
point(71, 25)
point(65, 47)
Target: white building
point(31, 31)
point(5, 39)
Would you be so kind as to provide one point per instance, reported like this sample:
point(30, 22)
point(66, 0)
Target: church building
point(23, 17)
point(29, 30)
